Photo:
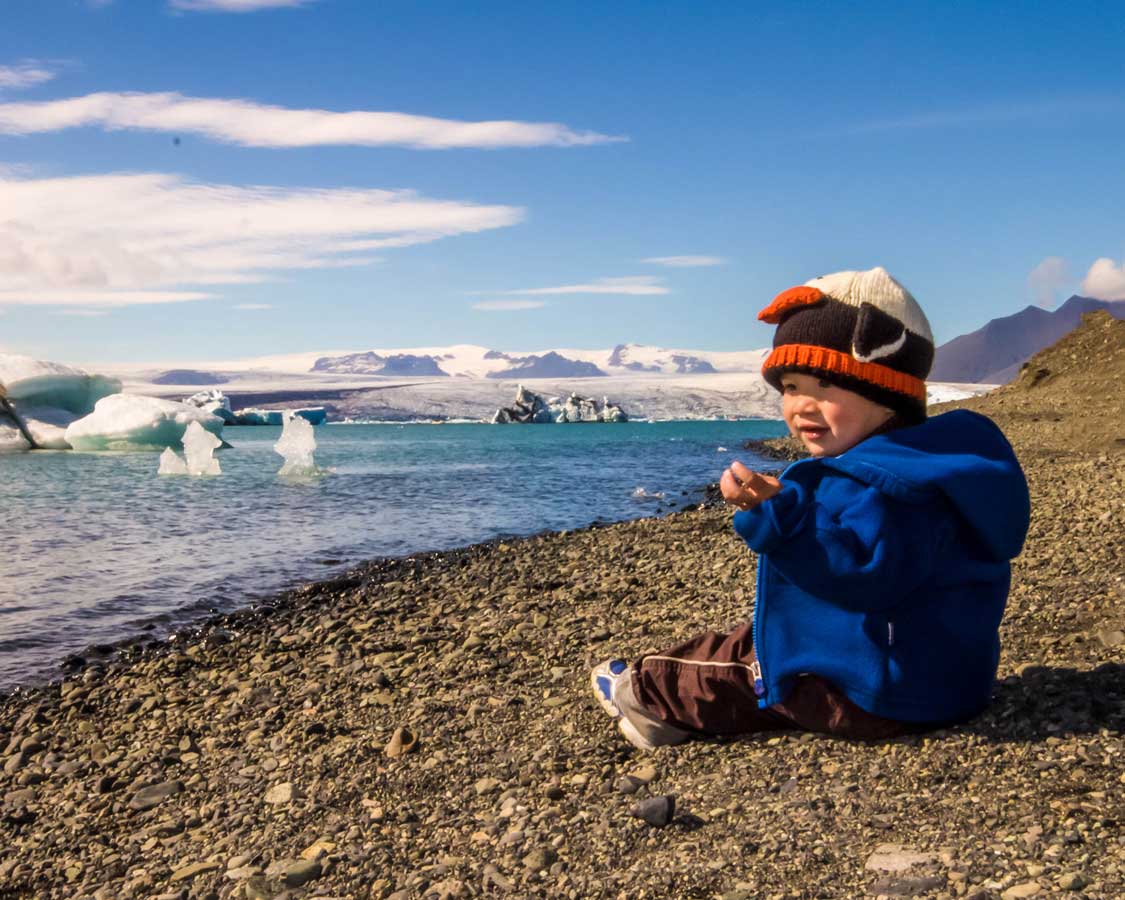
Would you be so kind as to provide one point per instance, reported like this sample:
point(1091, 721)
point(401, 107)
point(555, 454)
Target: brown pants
point(705, 686)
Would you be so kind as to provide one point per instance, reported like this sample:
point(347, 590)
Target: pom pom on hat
point(861, 330)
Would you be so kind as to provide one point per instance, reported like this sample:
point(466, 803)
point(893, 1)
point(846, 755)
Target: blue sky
point(177, 182)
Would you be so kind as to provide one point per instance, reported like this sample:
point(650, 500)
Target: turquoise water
point(97, 548)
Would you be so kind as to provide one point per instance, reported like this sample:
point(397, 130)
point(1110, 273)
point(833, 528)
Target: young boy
point(883, 561)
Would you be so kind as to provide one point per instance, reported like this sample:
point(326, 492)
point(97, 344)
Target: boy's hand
point(745, 489)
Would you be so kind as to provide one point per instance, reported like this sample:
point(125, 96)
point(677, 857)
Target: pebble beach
point(423, 727)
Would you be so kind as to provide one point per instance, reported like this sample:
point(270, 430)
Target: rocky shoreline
point(422, 727)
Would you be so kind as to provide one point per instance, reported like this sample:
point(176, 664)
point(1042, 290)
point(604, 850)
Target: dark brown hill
point(1069, 397)
point(993, 354)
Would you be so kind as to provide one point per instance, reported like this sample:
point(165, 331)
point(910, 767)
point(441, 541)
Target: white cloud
point(1047, 279)
point(1105, 280)
point(32, 297)
point(253, 306)
point(81, 313)
point(258, 125)
point(24, 75)
point(125, 239)
point(236, 6)
point(507, 305)
point(632, 285)
point(685, 262)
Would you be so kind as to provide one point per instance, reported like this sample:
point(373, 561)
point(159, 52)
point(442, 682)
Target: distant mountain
point(548, 365)
point(472, 361)
point(993, 354)
point(371, 363)
point(679, 362)
point(188, 376)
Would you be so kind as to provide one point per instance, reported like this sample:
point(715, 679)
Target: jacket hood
point(960, 455)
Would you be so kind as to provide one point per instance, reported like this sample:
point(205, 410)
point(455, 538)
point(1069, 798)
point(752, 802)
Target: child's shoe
point(605, 679)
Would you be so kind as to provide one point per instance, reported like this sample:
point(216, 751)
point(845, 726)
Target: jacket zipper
point(759, 605)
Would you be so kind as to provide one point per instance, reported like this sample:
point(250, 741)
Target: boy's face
point(828, 419)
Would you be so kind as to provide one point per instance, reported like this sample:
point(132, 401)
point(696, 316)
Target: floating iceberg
point(296, 444)
point(38, 383)
point(11, 439)
point(199, 454)
point(48, 425)
point(215, 402)
point(314, 415)
point(171, 463)
point(131, 422)
point(531, 408)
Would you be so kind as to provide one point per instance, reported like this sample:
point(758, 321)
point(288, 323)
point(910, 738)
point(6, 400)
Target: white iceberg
point(11, 440)
point(215, 402)
point(132, 422)
point(34, 382)
point(171, 463)
point(199, 454)
point(296, 444)
point(48, 425)
point(314, 415)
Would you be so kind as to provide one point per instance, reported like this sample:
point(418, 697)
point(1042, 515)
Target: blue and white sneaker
point(603, 679)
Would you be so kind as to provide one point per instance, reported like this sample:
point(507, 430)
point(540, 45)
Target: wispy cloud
point(1105, 280)
point(34, 297)
point(252, 124)
point(253, 306)
point(508, 305)
point(1046, 111)
point(81, 313)
point(235, 6)
point(1047, 279)
point(126, 239)
point(24, 75)
point(632, 285)
point(684, 262)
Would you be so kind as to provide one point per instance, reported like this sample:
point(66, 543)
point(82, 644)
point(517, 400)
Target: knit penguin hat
point(860, 330)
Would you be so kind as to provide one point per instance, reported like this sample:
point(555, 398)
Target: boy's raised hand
point(745, 489)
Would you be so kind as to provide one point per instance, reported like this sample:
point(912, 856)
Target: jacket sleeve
point(864, 551)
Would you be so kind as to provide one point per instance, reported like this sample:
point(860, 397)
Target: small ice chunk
point(171, 464)
point(199, 449)
point(132, 422)
point(296, 444)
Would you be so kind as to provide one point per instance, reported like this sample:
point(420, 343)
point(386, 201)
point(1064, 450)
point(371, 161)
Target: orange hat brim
point(802, 295)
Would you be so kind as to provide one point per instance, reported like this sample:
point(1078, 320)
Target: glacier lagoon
point(98, 548)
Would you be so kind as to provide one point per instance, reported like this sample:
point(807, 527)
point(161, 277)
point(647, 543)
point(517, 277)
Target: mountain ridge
point(994, 353)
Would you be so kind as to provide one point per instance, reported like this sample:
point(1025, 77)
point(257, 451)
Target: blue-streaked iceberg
point(132, 422)
point(44, 398)
point(314, 415)
point(39, 383)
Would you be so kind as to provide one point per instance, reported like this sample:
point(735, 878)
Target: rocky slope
point(422, 727)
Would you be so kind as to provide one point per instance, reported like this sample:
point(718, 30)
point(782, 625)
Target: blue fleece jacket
point(886, 569)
